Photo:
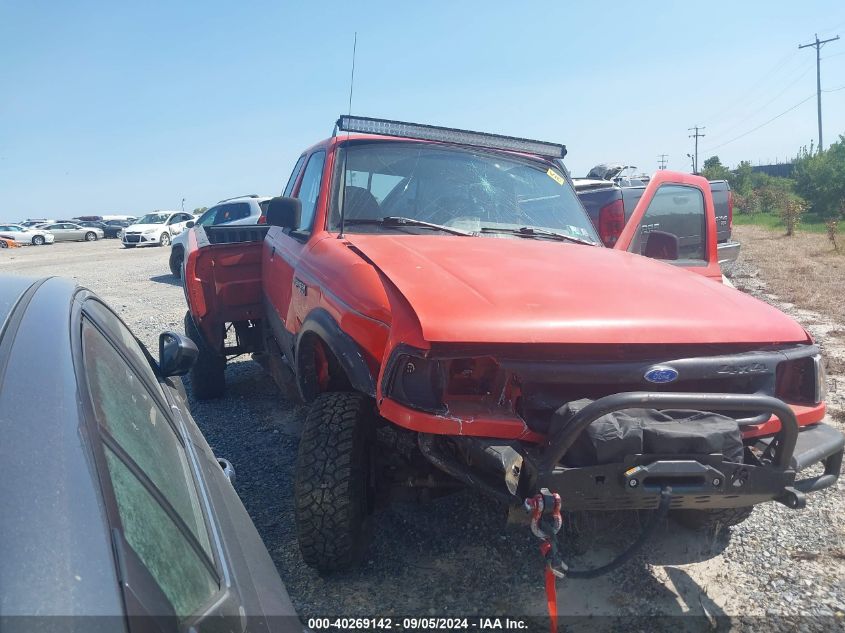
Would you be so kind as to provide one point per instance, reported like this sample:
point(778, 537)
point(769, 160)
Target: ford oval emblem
point(661, 375)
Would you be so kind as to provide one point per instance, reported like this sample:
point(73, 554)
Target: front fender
point(344, 348)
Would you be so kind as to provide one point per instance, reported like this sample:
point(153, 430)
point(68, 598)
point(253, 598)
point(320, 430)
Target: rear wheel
point(176, 256)
point(90, 236)
point(38, 240)
point(208, 373)
point(712, 520)
point(3, 244)
point(164, 240)
point(334, 487)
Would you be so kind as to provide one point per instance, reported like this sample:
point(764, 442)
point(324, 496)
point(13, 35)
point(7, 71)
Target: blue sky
point(129, 107)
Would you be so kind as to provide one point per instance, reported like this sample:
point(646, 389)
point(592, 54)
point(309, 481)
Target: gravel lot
point(781, 570)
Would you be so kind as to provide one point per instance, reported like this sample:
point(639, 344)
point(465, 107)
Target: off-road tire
point(333, 490)
point(38, 240)
point(164, 240)
point(208, 373)
point(90, 236)
point(712, 520)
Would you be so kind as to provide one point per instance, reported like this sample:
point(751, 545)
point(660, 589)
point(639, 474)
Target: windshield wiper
point(393, 220)
point(530, 231)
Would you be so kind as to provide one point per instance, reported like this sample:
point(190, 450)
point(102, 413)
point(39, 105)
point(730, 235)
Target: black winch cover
point(611, 437)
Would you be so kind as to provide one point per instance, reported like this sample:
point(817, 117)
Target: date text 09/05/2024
point(417, 624)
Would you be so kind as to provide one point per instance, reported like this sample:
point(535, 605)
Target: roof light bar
point(385, 127)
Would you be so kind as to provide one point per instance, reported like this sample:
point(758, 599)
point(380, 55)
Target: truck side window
point(309, 189)
point(294, 175)
point(679, 210)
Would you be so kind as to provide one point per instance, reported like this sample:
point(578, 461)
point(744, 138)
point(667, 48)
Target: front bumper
point(139, 239)
point(698, 481)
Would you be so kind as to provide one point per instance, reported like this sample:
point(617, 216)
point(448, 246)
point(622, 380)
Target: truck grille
point(545, 386)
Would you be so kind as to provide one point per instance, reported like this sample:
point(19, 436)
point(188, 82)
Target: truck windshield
point(470, 189)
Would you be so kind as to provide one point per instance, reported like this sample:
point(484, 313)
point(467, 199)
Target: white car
point(25, 235)
point(240, 210)
point(156, 229)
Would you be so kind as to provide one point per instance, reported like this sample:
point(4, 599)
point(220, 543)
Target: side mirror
point(661, 245)
point(176, 354)
point(189, 224)
point(284, 212)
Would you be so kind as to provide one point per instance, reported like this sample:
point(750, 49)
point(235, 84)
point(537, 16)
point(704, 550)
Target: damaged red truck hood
point(516, 290)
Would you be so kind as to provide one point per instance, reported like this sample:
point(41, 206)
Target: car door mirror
point(189, 224)
point(661, 245)
point(176, 354)
point(284, 212)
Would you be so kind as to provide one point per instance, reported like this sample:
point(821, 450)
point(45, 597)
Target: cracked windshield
point(473, 191)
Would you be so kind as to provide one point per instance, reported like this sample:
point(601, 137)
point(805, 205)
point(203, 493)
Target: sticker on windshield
point(555, 176)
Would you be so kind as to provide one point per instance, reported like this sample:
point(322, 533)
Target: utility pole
point(696, 136)
point(183, 205)
point(661, 158)
point(818, 46)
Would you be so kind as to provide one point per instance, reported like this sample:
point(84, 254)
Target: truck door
point(675, 221)
point(283, 248)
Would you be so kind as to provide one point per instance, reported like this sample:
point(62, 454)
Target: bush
point(832, 226)
point(791, 213)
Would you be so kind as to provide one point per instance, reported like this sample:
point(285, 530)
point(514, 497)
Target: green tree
point(820, 179)
point(715, 170)
point(199, 210)
point(740, 178)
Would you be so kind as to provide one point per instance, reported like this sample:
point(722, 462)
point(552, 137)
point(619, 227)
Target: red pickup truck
point(444, 302)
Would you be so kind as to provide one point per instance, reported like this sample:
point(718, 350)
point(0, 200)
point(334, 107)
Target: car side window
point(232, 212)
point(294, 175)
point(207, 218)
point(309, 189)
point(680, 211)
point(148, 466)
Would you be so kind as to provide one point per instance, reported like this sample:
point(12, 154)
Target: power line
point(818, 46)
point(733, 127)
point(736, 138)
point(782, 63)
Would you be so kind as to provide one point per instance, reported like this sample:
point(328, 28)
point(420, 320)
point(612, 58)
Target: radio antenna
point(346, 149)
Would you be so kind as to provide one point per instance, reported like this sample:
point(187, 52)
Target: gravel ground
point(780, 570)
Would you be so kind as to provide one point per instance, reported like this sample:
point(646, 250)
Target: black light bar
point(385, 127)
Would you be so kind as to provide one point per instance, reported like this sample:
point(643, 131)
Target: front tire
point(712, 520)
point(90, 236)
point(208, 373)
point(333, 490)
point(164, 240)
point(3, 244)
point(38, 240)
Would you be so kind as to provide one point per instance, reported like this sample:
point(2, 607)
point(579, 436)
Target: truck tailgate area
point(223, 276)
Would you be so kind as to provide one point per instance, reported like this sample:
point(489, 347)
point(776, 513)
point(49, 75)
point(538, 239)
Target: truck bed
point(223, 277)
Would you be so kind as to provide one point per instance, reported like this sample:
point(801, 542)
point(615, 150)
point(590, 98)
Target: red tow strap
point(536, 506)
point(551, 596)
